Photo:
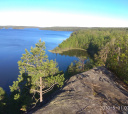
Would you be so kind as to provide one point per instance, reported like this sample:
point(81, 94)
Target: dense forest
point(107, 46)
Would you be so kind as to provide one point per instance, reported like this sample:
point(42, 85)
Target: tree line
point(107, 46)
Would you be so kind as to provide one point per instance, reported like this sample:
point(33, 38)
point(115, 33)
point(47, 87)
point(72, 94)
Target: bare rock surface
point(93, 92)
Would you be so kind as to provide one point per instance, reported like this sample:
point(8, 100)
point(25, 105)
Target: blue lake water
point(13, 43)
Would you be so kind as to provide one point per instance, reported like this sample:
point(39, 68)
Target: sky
point(80, 13)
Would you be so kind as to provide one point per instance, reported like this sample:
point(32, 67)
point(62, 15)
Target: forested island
point(39, 77)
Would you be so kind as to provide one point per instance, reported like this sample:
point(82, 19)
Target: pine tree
point(37, 74)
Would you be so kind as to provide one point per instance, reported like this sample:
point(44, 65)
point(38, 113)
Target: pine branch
point(49, 89)
point(45, 91)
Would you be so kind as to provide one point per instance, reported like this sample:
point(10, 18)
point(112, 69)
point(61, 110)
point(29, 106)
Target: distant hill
point(16, 27)
point(46, 28)
point(64, 28)
point(59, 28)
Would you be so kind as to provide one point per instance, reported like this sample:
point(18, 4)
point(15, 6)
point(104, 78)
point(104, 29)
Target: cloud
point(47, 19)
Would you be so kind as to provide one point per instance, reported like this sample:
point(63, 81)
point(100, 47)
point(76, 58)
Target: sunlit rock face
point(96, 91)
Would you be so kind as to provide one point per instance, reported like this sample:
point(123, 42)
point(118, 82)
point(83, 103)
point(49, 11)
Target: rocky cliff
point(96, 91)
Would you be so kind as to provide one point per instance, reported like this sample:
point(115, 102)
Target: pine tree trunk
point(41, 97)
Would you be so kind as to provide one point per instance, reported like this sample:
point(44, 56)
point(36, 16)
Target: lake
point(13, 43)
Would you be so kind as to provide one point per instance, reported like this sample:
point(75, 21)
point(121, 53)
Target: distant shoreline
point(61, 51)
point(56, 28)
point(46, 28)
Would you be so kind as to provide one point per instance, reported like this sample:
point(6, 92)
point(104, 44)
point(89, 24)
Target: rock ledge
point(91, 92)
